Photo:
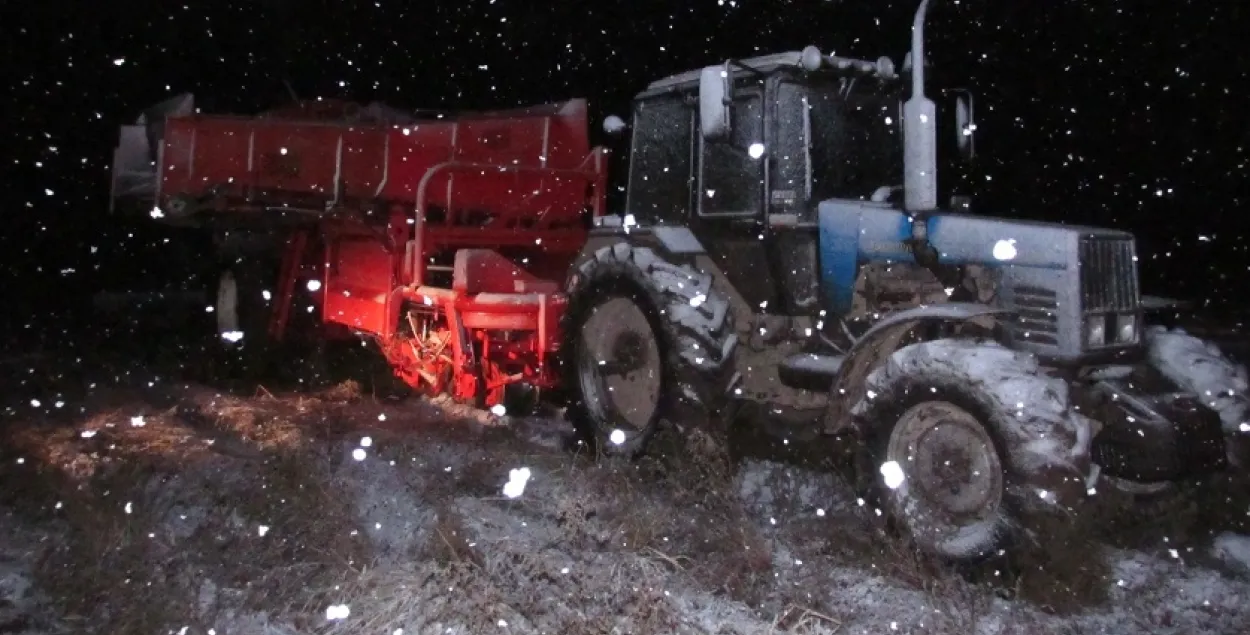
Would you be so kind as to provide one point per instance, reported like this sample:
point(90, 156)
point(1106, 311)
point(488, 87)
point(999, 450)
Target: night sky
point(1127, 114)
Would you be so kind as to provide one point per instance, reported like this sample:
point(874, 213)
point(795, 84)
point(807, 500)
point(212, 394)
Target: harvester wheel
point(937, 420)
point(241, 308)
point(645, 341)
point(242, 319)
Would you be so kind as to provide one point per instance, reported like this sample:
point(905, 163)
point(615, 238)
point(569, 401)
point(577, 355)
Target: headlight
point(1096, 331)
point(1126, 329)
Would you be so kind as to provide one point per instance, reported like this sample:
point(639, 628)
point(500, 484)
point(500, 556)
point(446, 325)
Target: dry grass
point(593, 547)
point(348, 391)
point(164, 518)
point(263, 540)
point(805, 621)
point(712, 540)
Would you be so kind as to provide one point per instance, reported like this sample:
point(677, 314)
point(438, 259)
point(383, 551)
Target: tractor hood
point(1070, 276)
point(873, 231)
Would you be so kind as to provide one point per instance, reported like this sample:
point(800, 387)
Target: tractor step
point(809, 371)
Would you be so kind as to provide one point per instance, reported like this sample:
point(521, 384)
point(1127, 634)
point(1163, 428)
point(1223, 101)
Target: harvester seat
point(486, 271)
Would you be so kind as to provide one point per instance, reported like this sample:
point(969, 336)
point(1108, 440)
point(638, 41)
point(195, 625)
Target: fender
point(675, 240)
point(879, 342)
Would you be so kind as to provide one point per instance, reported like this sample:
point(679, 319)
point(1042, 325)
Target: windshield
point(838, 143)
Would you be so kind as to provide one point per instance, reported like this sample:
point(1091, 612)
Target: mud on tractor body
point(781, 243)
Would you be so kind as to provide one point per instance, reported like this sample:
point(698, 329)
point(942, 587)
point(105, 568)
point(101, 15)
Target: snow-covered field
point(184, 510)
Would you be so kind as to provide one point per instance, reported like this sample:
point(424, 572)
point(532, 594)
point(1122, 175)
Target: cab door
point(730, 189)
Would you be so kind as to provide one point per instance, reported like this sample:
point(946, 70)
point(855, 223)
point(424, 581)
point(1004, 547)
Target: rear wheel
point(645, 341)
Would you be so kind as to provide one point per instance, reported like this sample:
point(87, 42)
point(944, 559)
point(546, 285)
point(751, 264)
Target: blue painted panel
point(858, 232)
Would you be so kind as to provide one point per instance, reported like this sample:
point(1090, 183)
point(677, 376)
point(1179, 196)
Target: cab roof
point(763, 63)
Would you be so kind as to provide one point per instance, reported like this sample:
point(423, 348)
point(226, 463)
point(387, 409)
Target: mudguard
point(879, 342)
point(1049, 449)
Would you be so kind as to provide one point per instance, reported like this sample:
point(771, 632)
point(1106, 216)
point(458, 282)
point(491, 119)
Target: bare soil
point(139, 497)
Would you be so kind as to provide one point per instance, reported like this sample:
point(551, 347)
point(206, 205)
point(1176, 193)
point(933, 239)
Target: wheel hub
point(618, 364)
point(952, 467)
point(629, 353)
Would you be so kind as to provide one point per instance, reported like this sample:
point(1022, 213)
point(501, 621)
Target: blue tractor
point(782, 243)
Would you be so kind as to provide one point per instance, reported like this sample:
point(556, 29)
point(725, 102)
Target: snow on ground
point(335, 513)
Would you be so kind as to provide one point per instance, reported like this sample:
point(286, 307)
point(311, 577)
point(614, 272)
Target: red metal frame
point(444, 241)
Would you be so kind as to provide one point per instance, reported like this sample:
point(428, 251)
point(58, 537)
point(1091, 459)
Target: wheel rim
point(227, 308)
point(951, 492)
point(619, 370)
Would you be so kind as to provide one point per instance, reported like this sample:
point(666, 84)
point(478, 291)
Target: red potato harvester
point(445, 239)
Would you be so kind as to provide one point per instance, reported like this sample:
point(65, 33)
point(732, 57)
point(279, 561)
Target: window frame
point(753, 91)
point(675, 98)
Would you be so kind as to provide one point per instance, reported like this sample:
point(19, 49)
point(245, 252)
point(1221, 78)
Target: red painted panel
point(358, 284)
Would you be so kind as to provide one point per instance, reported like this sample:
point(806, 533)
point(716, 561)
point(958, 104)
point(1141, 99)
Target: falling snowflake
point(516, 482)
point(1005, 249)
point(892, 472)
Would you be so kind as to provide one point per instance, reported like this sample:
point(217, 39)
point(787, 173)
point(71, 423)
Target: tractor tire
point(937, 421)
point(1198, 366)
point(683, 332)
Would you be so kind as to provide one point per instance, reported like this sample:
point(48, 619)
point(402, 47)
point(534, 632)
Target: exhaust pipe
point(919, 130)
point(134, 177)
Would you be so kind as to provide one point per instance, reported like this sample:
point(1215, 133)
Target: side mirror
point(965, 125)
point(614, 125)
point(715, 102)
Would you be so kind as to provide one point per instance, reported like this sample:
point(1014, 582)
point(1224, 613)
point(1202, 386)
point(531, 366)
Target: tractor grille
point(1108, 275)
point(1036, 314)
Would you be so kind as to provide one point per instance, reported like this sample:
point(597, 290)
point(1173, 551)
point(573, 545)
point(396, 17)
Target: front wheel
point(942, 476)
point(1222, 385)
point(963, 438)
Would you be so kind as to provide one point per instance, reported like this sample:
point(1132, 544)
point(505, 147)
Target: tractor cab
point(779, 133)
point(741, 155)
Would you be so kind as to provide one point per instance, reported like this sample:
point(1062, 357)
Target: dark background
point(1117, 113)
